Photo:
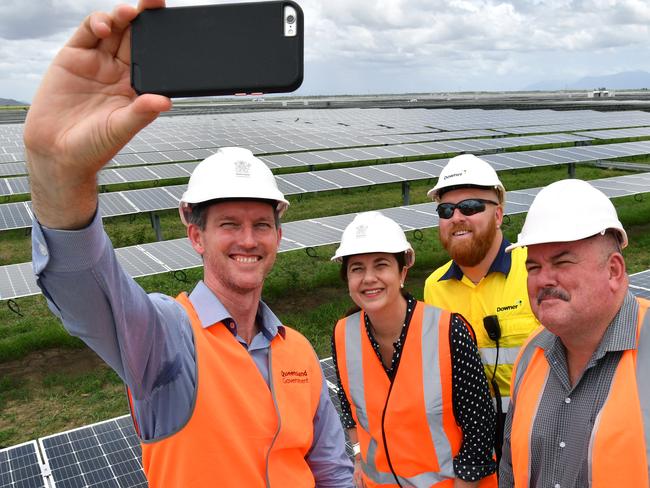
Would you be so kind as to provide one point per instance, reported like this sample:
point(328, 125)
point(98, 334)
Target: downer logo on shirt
point(506, 308)
point(293, 376)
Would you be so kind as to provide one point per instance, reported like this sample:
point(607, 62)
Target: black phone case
point(216, 50)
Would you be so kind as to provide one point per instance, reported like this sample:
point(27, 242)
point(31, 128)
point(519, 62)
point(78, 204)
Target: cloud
point(387, 45)
point(44, 18)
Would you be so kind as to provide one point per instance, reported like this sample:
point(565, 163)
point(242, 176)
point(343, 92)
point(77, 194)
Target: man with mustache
point(580, 401)
point(481, 282)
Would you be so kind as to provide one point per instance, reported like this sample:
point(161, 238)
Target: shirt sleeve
point(472, 404)
point(327, 458)
point(346, 411)
point(145, 338)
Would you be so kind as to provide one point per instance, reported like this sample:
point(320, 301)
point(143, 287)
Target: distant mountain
point(9, 101)
point(617, 81)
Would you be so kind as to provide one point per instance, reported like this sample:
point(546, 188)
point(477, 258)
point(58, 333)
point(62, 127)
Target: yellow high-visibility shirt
point(502, 292)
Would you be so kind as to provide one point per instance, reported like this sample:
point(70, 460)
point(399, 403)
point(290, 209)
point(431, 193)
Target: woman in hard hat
point(413, 393)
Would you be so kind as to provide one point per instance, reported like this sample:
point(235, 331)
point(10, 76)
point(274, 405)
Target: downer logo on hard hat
point(242, 168)
point(454, 175)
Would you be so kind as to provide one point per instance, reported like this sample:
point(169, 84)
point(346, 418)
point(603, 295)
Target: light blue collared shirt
point(147, 338)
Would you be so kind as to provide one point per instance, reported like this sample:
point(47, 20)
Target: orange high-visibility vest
point(620, 439)
point(418, 425)
point(241, 433)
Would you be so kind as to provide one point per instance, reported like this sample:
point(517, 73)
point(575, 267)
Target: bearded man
point(481, 281)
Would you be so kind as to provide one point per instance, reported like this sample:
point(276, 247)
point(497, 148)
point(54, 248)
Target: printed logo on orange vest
point(293, 376)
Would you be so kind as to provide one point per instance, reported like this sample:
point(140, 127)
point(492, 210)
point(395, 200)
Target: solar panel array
point(17, 280)
point(321, 157)
point(102, 455)
point(19, 215)
point(299, 130)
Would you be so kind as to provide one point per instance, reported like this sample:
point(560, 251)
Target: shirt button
point(562, 444)
point(566, 400)
point(42, 249)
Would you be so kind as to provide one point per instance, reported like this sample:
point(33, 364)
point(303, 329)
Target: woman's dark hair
point(401, 262)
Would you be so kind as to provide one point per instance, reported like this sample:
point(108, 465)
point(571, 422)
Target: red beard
point(469, 252)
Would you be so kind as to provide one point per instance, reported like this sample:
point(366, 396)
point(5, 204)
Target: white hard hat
point(569, 210)
point(373, 232)
point(231, 172)
point(467, 170)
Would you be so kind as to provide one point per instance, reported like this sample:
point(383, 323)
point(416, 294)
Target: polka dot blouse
point(473, 407)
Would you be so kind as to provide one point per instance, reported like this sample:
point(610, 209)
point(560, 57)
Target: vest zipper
point(277, 412)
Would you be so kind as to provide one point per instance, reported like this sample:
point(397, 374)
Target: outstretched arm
point(84, 112)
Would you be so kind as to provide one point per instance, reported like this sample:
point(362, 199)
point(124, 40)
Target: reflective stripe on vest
point(643, 388)
point(432, 394)
point(242, 432)
point(619, 444)
point(507, 358)
point(507, 355)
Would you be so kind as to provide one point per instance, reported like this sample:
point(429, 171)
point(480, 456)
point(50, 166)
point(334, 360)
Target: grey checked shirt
point(566, 414)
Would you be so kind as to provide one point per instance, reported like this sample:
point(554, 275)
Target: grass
point(49, 382)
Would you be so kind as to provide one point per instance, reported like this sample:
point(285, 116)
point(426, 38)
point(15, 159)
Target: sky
point(392, 46)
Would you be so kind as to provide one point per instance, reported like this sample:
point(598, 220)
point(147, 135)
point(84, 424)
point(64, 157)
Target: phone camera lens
point(290, 19)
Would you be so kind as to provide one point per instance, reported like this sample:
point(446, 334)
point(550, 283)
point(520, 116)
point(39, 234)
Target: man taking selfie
point(222, 394)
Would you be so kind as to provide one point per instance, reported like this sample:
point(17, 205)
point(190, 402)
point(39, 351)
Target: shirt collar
point(621, 333)
point(501, 264)
point(211, 311)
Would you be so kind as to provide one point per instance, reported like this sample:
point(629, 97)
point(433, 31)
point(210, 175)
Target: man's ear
point(195, 235)
point(499, 216)
point(617, 271)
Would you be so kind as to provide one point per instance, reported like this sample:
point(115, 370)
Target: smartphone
point(226, 49)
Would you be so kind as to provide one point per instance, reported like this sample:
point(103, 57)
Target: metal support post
point(406, 192)
point(155, 223)
point(572, 170)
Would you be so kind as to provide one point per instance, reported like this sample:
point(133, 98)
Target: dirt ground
point(56, 390)
point(41, 363)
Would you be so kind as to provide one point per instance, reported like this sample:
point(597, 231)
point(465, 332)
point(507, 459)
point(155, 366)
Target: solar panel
point(21, 466)
point(339, 178)
point(138, 263)
point(641, 280)
point(176, 254)
point(151, 199)
point(311, 233)
point(12, 169)
point(17, 280)
point(112, 204)
point(15, 216)
point(372, 173)
point(106, 455)
point(8, 158)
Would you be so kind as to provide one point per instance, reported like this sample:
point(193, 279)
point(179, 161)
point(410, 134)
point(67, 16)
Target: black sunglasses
point(467, 207)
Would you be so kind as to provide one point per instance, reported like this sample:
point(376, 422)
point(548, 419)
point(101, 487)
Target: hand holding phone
point(225, 49)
